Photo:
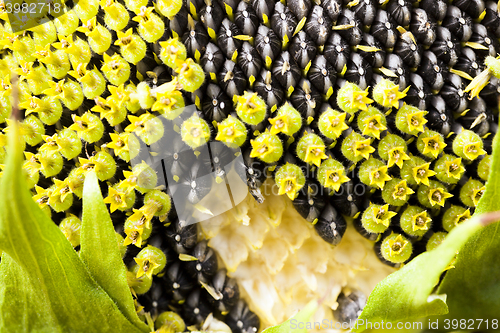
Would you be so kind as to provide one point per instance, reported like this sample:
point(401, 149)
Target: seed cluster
point(368, 111)
point(359, 108)
point(356, 109)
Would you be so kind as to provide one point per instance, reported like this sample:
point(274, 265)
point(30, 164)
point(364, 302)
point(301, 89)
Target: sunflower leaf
point(99, 250)
point(44, 286)
point(407, 294)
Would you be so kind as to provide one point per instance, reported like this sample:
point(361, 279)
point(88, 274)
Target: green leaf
point(296, 324)
point(45, 285)
point(489, 201)
point(100, 253)
point(20, 302)
point(407, 294)
point(472, 287)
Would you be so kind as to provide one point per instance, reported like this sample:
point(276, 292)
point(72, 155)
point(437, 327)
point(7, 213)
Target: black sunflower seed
point(212, 16)
point(216, 104)
point(182, 237)
point(174, 155)
point(267, 43)
point(283, 21)
point(156, 300)
point(306, 99)
point(179, 23)
point(400, 11)
point(231, 3)
point(491, 91)
point(446, 47)
point(269, 88)
point(491, 19)
point(177, 282)
point(481, 36)
point(204, 268)
point(331, 225)
point(302, 49)
point(474, 8)
point(423, 27)
point(286, 71)
point(468, 62)
point(249, 60)
point(349, 199)
point(196, 39)
point(353, 34)
point(221, 157)
point(409, 50)
point(232, 79)
point(358, 71)
point(332, 8)
point(212, 60)
point(246, 18)
point(322, 75)
point(196, 309)
point(337, 52)
point(440, 119)
point(453, 93)
point(226, 38)
point(399, 71)
point(432, 70)
point(226, 292)
point(459, 23)
point(263, 7)
point(374, 58)
point(365, 11)
point(318, 26)
point(435, 8)
point(418, 93)
point(478, 118)
point(384, 30)
point(299, 7)
point(241, 320)
point(310, 202)
point(194, 184)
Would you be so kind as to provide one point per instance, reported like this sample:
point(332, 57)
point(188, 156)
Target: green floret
point(433, 195)
point(290, 179)
point(416, 171)
point(449, 169)
point(372, 122)
point(356, 147)
point(351, 98)
point(267, 147)
point(332, 123)
point(455, 215)
point(396, 192)
point(377, 218)
point(311, 149)
point(396, 248)
point(468, 145)
point(415, 221)
point(471, 192)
